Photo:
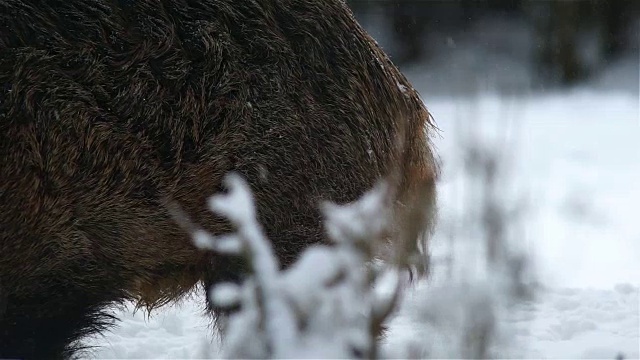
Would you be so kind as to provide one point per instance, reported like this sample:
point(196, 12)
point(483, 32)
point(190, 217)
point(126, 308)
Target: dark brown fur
point(108, 109)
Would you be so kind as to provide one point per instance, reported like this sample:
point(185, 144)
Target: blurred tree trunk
point(505, 6)
point(408, 25)
point(616, 16)
point(557, 25)
point(566, 26)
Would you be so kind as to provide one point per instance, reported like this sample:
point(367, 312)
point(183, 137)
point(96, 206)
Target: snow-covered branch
point(324, 305)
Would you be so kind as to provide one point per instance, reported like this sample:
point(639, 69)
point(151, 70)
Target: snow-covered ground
point(574, 159)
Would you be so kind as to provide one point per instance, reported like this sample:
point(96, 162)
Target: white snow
point(225, 294)
point(327, 290)
point(576, 157)
point(279, 321)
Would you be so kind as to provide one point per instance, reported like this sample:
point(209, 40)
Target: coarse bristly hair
point(110, 108)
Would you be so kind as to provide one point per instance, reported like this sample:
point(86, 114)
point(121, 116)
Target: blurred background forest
point(507, 45)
